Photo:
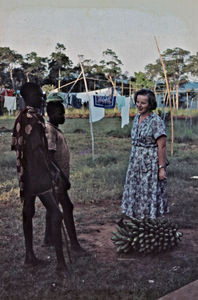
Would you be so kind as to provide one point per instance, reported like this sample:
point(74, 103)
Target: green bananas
point(146, 235)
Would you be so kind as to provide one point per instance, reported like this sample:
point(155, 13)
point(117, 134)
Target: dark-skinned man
point(59, 155)
point(33, 167)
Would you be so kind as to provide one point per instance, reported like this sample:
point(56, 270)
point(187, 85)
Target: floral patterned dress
point(144, 194)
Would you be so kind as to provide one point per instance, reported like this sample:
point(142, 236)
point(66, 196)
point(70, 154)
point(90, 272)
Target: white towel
point(125, 112)
point(97, 113)
point(10, 103)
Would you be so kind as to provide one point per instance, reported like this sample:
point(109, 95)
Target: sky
point(89, 27)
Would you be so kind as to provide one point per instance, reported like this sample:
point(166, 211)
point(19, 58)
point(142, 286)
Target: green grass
point(96, 192)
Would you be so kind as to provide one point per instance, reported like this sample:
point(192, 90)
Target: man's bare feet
point(61, 267)
point(78, 250)
point(34, 262)
point(47, 244)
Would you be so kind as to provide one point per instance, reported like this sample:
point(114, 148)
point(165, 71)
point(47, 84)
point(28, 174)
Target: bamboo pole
point(187, 99)
point(73, 85)
point(122, 88)
point(90, 114)
point(129, 88)
point(174, 102)
point(69, 83)
point(59, 79)
point(177, 97)
point(169, 96)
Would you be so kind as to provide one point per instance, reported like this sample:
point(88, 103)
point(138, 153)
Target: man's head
point(32, 94)
point(56, 112)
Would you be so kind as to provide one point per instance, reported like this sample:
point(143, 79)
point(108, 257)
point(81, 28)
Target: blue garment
point(104, 101)
point(120, 100)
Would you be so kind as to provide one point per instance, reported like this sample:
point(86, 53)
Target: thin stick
point(169, 96)
point(90, 114)
point(66, 242)
point(59, 79)
point(73, 85)
point(69, 83)
point(129, 88)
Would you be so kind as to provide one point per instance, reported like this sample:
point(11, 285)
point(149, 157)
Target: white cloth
point(97, 113)
point(83, 96)
point(102, 92)
point(10, 103)
point(125, 112)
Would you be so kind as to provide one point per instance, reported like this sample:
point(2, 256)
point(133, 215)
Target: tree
point(59, 65)
point(111, 64)
point(176, 64)
point(34, 67)
point(9, 60)
point(142, 81)
point(193, 64)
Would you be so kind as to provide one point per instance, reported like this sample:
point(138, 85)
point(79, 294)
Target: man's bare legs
point(55, 214)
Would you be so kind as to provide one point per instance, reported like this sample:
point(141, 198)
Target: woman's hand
point(162, 174)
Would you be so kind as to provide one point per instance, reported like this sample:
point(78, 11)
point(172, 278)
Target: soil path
point(97, 240)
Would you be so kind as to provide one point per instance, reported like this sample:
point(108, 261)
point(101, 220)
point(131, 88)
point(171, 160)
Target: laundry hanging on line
point(10, 103)
point(75, 101)
point(125, 112)
point(120, 100)
point(97, 113)
point(104, 101)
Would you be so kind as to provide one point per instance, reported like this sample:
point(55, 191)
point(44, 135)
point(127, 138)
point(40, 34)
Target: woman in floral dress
point(145, 186)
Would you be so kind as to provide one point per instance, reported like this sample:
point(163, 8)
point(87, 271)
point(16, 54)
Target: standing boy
point(33, 167)
point(59, 155)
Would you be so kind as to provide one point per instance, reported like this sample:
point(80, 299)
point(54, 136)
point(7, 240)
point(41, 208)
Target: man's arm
point(56, 167)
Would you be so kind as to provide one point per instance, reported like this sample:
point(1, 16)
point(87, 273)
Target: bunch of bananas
point(146, 235)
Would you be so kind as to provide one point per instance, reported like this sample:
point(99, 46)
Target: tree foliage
point(16, 69)
point(193, 64)
point(111, 64)
point(9, 59)
point(142, 81)
point(176, 65)
point(59, 63)
point(34, 67)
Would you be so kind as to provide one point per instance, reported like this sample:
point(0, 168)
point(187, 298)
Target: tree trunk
point(11, 78)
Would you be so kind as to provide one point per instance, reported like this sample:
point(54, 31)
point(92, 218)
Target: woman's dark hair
point(53, 106)
point(151, 97)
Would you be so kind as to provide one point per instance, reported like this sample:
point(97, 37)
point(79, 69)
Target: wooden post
point(187, 99)
point(177, 97)
point(174, 102)
point(90, 115)
point(59, 79)
point(191, 104)
point(169, 97)
point(129, 88)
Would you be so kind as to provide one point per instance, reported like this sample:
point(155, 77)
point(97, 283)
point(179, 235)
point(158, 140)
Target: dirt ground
point(96, 238)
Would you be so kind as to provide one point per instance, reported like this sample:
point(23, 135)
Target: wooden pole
point(129, 88)
point(122, 88)
point(173, 101)
point(90, 115)
point(169, 96)
point(187, 99)
point(177, 97)
point(59, 79)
